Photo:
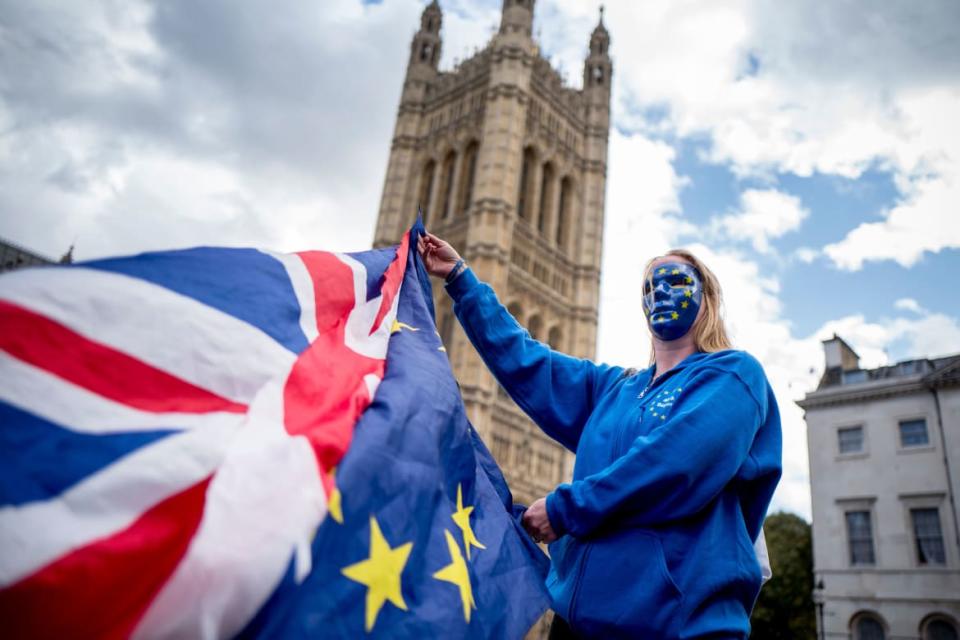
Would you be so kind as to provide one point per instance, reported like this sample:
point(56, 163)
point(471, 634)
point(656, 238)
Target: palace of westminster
point(509, 165)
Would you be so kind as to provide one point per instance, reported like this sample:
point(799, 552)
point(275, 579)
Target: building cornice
point(857, 393)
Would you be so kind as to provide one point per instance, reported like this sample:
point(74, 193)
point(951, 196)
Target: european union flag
point(422, 540)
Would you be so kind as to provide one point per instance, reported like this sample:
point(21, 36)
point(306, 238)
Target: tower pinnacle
point(517, 17)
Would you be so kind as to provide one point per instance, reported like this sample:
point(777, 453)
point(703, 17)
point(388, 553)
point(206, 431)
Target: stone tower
point(508, 165)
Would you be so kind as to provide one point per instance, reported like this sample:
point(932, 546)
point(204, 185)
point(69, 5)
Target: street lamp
point(819, 598)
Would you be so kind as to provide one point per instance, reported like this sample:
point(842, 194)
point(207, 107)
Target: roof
point(908, 376)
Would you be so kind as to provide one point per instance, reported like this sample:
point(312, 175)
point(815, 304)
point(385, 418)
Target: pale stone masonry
point(884, 473)
point(509, 165)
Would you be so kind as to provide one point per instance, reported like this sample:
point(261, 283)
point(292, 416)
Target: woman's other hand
point(437, 255)
point(537, 522)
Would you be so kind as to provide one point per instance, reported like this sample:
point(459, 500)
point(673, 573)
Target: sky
point(809, 153)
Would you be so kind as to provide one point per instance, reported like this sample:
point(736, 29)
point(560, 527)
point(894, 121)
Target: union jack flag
point(221, 442)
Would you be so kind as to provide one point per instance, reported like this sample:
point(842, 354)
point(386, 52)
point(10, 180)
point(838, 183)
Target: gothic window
point(446, 186)
point(523, 199)
point(563, 217)
point(555, 338)
point(426, 186)
point(516, 311)
point(535, 327)
point(425, 51)
point(467, 177)
point(546, 200)
point(598, 75)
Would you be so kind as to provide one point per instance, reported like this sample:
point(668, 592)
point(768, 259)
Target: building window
point(426, 188)
point(867, 627)
point(939, 629)
point(523, 198)
point(563, 218)
point(850, 439)
point(860, 537)
point(447, 184)
point(928, 536)
point(546, 198)
point(467, 177)
point(913, 433)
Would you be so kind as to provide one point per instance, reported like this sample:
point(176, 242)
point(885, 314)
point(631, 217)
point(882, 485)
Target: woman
point(675, 467)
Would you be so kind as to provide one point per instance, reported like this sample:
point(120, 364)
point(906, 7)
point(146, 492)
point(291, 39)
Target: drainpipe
point(946, 464)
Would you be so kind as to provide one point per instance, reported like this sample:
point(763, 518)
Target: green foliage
point(785, 609)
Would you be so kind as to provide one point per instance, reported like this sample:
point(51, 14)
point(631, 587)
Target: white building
point(884, 472)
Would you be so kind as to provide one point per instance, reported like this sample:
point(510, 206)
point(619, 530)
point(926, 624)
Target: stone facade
point(884, 472)
point(509, 165)
point(14, 257)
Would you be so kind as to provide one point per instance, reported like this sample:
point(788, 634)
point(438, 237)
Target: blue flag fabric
point(424, 541)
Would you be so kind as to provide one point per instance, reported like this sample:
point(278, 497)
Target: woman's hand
point(537, 522)
point(437, 255)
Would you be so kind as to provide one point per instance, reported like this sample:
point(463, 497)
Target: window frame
point(914, 447)
point(911, 502)
point(864, 441)
point(863, 504)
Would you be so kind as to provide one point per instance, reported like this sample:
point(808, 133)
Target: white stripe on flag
point(357, 335)
point(195, 342)
point(303, 289)
point(37, 533)
point(263, 505)
point(73, 407)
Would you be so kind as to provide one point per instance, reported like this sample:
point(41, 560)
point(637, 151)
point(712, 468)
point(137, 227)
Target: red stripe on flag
point(54, 347)
point(102, 590)
point(325, 394)
point(391, 281)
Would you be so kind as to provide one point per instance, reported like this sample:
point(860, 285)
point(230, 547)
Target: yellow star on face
point(684, 304)
point(462, 519)
point(674, 315)
point(397, 326)
point(661, 271)
point(675, 272)
point(334, 503)
point(688, 293)
point(688, 280)
point(380, 573)
point(456, 573)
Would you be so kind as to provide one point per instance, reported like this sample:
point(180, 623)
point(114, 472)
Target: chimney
point(840, 358)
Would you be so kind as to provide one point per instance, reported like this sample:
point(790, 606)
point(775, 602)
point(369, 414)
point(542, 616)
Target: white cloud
point(763, 214)
point(908, 304)
point(806, 255)
point(641, 222)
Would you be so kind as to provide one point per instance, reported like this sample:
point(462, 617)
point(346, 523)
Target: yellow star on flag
point(334, 502)
point(380, 573)
point(456, 573)
point(462, 518)
point(674, 315)
point(397, 326)
point(684, 304)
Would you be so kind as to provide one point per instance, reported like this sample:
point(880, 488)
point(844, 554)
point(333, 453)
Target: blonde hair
point(709, 332)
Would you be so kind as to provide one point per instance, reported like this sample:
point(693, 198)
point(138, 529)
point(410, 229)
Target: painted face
point(671, 299)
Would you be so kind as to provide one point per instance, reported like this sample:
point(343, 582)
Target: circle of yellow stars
point(382, 570)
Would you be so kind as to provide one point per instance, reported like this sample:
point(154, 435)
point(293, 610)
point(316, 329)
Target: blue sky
point(816, 170)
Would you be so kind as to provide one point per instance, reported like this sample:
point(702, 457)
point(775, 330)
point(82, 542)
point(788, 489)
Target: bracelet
point(457, 269)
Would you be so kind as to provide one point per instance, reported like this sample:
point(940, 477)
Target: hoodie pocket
point(626, 590)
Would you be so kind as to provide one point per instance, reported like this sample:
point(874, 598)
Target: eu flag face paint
point(671, 299)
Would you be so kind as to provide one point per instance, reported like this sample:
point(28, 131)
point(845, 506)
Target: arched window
point(467, 176)
point(446, 186)
point(563, 212)
point(535, 326)
point(426, 186)
point(939, 628)
point(516, 311)
point(524, 197)
point(546, 200)
point(555, 338)
point(868, 626)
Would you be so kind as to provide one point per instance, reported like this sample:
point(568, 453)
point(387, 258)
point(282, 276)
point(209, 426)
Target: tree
point(784, 610)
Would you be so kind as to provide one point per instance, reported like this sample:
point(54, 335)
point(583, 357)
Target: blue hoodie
point(670, 487)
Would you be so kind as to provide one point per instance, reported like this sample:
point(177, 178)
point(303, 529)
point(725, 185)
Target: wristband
point(455, 271)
